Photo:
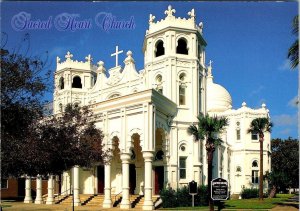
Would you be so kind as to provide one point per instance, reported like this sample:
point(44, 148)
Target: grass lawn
point(255, 203)
point(243, 203)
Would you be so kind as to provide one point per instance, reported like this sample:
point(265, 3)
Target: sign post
point(219, 190)
point(193, 190)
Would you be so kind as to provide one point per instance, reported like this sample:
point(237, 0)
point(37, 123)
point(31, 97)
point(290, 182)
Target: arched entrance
point(136, 167)
point(159, 161)
point(101, 179)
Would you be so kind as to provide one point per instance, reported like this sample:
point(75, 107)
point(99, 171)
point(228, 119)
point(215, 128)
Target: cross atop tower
point(170, 11)
point(69, 56)
point(116, 54)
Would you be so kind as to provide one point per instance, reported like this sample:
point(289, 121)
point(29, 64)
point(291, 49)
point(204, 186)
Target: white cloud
point(294, 102)
point(285, 65)
point(286, 131)
point(257, 90)
point(285, 120)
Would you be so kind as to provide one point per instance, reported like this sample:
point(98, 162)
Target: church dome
point(218, 98)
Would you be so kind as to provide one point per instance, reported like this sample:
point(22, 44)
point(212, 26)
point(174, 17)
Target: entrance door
point(159, 179)
point(21, 187)
point(132, 178)
point(100, 176)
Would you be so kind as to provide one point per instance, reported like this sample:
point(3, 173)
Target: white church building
point(144, 115)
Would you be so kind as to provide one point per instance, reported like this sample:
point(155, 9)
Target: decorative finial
point(129, 58)
point(129, 53)
point(151, 18)
point(263, 105)
point(209, 68)
point(69, 56)
point(57, 59)
point(101, 66)
point(170, 11)
point(201, 27)
point(244, 104)
point(192, 14)
point(89, 58)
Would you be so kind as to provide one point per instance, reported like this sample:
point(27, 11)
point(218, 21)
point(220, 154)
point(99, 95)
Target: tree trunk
point(209, 172)
point(273, 192)
point(261, 194)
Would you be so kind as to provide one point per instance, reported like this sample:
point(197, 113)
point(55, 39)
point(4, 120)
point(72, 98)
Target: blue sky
point(247, 41)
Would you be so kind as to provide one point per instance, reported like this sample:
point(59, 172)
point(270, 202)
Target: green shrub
point(182, 198)
point(203, 195)
point(168, 197)
point(249, 193)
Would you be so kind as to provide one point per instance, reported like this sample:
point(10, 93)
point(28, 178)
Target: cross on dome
point(170, 11)
point(116, 54)
point(69, 55)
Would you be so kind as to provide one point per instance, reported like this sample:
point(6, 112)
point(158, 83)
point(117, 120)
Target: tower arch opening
point(77, 82)
point(159, 48)
point(182, 47)
point(61, 83)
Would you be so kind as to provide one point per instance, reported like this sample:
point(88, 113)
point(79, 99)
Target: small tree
point(208, 129)
point(23, 84)
point(293, 53)
point(62, 142)
point(260, 126)
point(285, 165)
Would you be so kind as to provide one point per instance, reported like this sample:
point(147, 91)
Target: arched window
point(255, 172)
point(76, 105)
point(159, 48)
point(60, 107)
point(182, 47)
point(61, 83)
point(158, 81)
point(76, 82)
point(182, 88)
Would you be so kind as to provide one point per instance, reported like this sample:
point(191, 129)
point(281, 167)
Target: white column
point(148, 203)
point(28, 198)
point(50, 198)
point(38, 199)
point(107, 186)
point(125, 203)
point(76, 186)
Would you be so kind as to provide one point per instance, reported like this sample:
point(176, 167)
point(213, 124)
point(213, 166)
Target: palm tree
point(260, 126)
point(293, 53)
point(208, 128)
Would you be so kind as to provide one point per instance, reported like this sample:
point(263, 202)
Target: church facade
point(144, 116)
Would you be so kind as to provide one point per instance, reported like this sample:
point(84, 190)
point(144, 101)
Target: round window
point(159, 155)
point(182, 148)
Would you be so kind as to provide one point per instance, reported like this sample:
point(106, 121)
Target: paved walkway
point(20, 206)
point(290, 205)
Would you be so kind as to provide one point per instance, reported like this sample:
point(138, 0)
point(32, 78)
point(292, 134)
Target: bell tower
point(73, 79)
point(174, 56)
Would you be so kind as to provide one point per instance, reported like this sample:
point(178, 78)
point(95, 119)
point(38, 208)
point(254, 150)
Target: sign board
point(219, 189)
point(193, 188)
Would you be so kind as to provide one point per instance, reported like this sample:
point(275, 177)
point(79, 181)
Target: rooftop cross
point(192, 14)
point(69, 55)
point(116, 54)
point(170, 11)
point(151, 18)
point(89, 58)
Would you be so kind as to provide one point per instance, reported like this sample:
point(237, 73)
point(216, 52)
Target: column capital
point(148, 155)
point(125, 156)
